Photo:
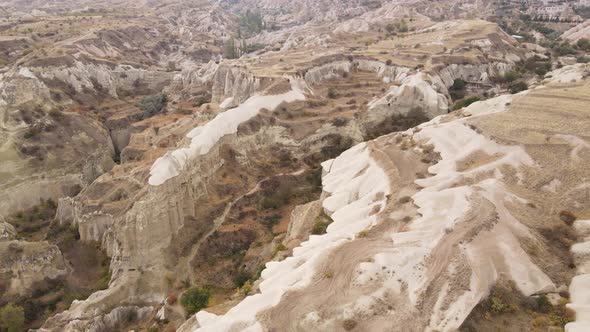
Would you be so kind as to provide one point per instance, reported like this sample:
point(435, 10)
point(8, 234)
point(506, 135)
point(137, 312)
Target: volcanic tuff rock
point(333, 117)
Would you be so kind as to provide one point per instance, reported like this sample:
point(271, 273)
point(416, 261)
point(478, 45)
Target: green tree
point(152, 105)
point(195, 299)
point(12, 318)
point(583, 44)
point(229, 49)
point(403, 26)
point(517, 87)
point(458, 84)
point(390, 28)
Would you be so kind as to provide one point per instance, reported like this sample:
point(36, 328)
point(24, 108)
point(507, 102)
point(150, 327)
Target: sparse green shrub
point(564, 49)
point(246, 288)
point(583, 59)
point(390, 28)
point(332, 94)
point(152, 105)
point(497, 306)
point(363, 233)
point(251, 21)
point(200, 101)
point(340, 122)
point(567, 217)
point(517, 87)
point(195, 299)
point(543, 304)
point(229, 49)
point(321, 224)
point(32, 132)
point(561, 315)
point(402, 26)
point(184, 111)
point(465, 102)
point(458, 84)
point(511, 76)
point(56, 114)
point(348, 324)
point(103, 282)
point(272, 220)
point(12, 318)
point(240, 278)
point(270, 203)
point(583, 44)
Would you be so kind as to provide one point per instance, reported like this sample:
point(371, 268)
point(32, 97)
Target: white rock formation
point(205, 137)
point(415, 92)
point(353, 202)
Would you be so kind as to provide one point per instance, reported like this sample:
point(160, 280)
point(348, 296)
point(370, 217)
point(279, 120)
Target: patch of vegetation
point(271, 220)
point(278, 248)
point(349, 324)
point(339, 122)
point(201, 100)
point(32, 132)
point(56, 114)
point(400, 26)
point(506, 303)
point(184, 111)
point(537, 66)
point(152, 105)
point(338, 144)
point(583, 44)
point(511, 76)
point(240, 278)
point(332, 94)
point(459, 104)
point(321, 224)
point(271, 203)
point(458, 84)
point(397, 122)
point(564, 49)
point(35, 218)
point(583, 11)
point(314, 178)
point(251, 21)
point(567, 217)
point(12, 318)
point(517, 87)
point(246, 288)
point(195, 299)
